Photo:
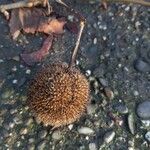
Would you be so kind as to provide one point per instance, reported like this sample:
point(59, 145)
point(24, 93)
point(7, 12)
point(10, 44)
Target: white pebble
point(130, 148)
point(87, 138)
point(92, 146)
point(14, 68)
point(70, 18)
point(57, 135)
point(95, 41)
point(136, 93)
point(104, 38)
point(91, 109)
point(88, 73)
point(147, 136)
point(28, 71)
point(85, 130)
point(15, 81)
point(77, 62)
point(1, 60)
point(70, 126)
point(109, 136)
point(127, 8)
point(146, 123)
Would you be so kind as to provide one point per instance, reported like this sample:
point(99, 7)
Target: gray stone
point(146, 123)
point(91, 109)
point(23, 131)
point(121, 108)
point(147, 136)
point(143, 110)
point(29, 121)
point(92, 146)
point(85, 130)
point(109, 93)
point(103, 82)
point(42, 134)
point(142, 66)
point(31, 147)
point(57, 135)
point(131, 123)
point(41, 145)
point(109, 136)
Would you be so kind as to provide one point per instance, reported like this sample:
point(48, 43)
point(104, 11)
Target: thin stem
point(141, 2)
point(82, 24)
point(20, 4)
point(74, 54)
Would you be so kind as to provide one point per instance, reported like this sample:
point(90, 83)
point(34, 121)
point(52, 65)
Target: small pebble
point(28, 71)
point(136, 93)
point(109, 136)
point(14, 68)
point(121, 108)
point(88, 73)
point(109, 93)
point(31, 147)
point(103, 82)
point(147, 136)
point(1, 60)
point(95, 41)
point(57, 135)
point(142, 66)
point(42, 134)
point(143, 110)
point(15, 81)
point(23, 131)
point(92, 146)
point(85, 130)
point(70, 126)
point(16, 58)
point(146, 123)
point(28, 121)
point(91, 109)
point(41, 145)
point(11, 124)
point(31, 140)
point(131, 123)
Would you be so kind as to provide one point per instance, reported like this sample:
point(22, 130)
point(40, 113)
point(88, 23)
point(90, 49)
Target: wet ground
point(114, 55)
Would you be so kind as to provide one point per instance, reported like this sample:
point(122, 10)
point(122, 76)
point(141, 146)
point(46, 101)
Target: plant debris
point(37, 56)
point(32, 20)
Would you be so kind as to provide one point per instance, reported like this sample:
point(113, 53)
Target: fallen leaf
point(37, 56)
point(52, 25)
point(32, 20)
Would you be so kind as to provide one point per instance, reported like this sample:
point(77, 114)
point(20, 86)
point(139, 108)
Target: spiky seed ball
point(58, 95)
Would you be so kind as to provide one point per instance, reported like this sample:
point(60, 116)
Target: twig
point(74, 54)
point(24, 3)
point(141, 2)
point(82, 24)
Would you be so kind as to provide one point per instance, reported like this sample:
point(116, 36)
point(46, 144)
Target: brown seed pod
point(58, 95)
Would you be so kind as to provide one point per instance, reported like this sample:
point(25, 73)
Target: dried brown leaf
point(37, 56)
point(32, 20)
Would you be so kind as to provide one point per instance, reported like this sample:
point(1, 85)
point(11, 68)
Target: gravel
point(114, 54)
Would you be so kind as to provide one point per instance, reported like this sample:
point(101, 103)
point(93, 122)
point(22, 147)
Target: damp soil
point(114, 53)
